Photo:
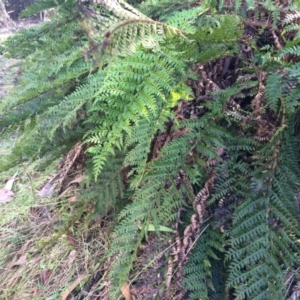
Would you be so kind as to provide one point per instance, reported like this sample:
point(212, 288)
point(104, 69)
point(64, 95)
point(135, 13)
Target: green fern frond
point(199, 278)
point(293, 28)
point(109, 189)
point(185, 19)
point(122, 101)
point(155, 202)
point(127, 34)
point(164, 9)
point(124, 28)
point(38, 6)
point(264, 230)
point(273, 91)
point(126, 240)
point(66, 112)
point(295, 50)
point(48, 38)
point(212, 29)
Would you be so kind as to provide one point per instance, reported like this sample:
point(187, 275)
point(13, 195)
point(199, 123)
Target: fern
point(38, 6)
point(131, 228)
point(120, 29)
point(261, 230)
point(273, 93)
point(199, 277)
point(118, 81)
point(211, 29)
point(109, 189)
point(123, 105)
point(185, 19)
point(163, 9)
point(154, 203)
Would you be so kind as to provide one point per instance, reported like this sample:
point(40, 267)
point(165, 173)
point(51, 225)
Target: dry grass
point(31, 268)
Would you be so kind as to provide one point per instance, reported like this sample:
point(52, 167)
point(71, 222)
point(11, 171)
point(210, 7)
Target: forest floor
point(39, 257)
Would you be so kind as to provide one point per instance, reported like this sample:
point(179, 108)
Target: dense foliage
point(188, 112)
point(15, 7)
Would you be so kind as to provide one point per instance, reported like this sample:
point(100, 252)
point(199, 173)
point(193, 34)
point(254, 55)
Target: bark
point(5, 20)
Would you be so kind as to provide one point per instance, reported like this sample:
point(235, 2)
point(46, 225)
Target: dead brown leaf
point(73, 286)
point(25, 295)
point(10, 182)
point(32, 212)
point(71, 240)
point(72, 257)
point(21, 261)
point(72, 199)
point(29, 295)
point(6, 195)
point(45, 275)
point(125, 289)
point(77, 179)
point(35, 291)
point(47, 190)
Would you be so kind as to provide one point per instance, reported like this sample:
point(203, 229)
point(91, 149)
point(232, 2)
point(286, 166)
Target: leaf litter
point(6, 194)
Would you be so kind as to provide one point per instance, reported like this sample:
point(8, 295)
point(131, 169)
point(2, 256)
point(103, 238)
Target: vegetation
point(5, 20)
point(15, 7)
point(183, 117)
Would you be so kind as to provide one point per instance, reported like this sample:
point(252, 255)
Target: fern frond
point(164, 9)
point(156, 202)
point(273, 91)
point(123, 104)
point(66, 112)
point(199, 277)
point(109, 188)
point(261, 233)
point(295, 50)
point(291, 17)
point(212, 29)
point(185, 19)
point(38, 6)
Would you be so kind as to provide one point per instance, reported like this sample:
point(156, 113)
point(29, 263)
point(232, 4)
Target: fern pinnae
point(127, 230)
point(131, 30)
point(136, 103)
point(197, 271)
point(140, 142)
point(163, 9)
point(124, 107)
point(185, 19)
point(109, 188)
point(266, 211)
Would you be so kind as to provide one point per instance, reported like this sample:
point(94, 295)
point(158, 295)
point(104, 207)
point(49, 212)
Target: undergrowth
point(178, 124)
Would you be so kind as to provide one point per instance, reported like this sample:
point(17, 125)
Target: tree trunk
point(5, 20)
